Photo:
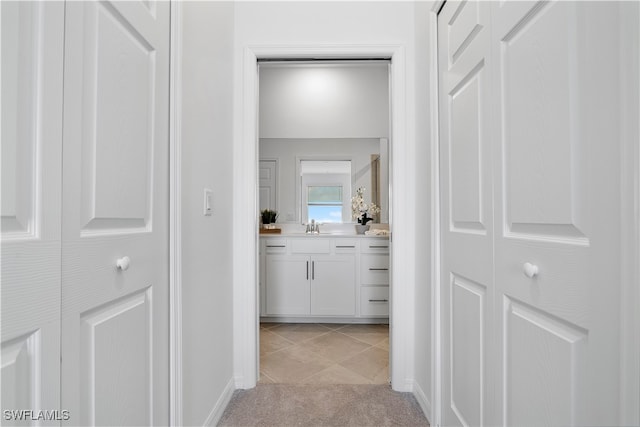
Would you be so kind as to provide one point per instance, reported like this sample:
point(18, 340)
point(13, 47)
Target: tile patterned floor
point(309, 353)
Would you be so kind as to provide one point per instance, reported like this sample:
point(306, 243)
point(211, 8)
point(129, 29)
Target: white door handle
point(123, 263)
point(530, 270)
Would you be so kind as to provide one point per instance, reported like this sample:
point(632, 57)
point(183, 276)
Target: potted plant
point(362, 211)
point(268, 216)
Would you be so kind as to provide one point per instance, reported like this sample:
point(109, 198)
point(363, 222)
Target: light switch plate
point(208, 202)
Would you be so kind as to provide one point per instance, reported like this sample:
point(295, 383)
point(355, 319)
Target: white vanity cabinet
point(324, 277)
point(322, 285)
point(309, 276)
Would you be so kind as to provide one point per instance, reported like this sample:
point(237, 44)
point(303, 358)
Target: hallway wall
point(207, 137)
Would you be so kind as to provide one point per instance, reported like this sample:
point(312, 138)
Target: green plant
point(268, 216)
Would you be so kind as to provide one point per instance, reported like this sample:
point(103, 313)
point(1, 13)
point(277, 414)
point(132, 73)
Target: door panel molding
point(558, 355)
point(101, 338)
point(467, 322)
point(22, 126)
point(21, 372)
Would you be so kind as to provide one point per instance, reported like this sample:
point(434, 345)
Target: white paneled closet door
point(467, 290)
point(542, 291)
point(557, 151)
point(32, 52)
point(115, 331)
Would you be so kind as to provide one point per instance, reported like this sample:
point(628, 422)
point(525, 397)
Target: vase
point(360, 229)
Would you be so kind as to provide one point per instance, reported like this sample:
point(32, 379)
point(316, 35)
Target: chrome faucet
point(313, 228)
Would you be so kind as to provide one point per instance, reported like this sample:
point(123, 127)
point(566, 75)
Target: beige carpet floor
point(322, 405)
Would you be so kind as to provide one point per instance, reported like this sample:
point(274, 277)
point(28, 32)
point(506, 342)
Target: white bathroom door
point(267, 174)
point(467, 282)
point(32, 52)
point(557, 151)
point(115, 334)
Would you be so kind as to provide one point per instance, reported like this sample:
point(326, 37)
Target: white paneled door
point(115, 333)
point(557, 148)
point(32, 66)
point(530, 167)
point(467, 288)
point(267, 174)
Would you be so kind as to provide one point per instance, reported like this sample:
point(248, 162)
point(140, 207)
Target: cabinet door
point(287, 284)
point(333, 290)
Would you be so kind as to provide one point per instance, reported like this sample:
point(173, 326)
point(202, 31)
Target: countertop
point(323, 235)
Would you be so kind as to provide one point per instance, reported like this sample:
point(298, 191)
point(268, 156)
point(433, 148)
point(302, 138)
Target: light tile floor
point(309, 353)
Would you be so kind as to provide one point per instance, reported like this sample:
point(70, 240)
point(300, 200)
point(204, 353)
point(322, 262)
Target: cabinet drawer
point(374, 301)
point(374, 269)
point(375, 246)
point(345, 245)
point(275, 246)
point(317, 245)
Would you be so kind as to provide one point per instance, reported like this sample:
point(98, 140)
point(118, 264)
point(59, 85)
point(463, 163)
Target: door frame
point(175, 215)
point(629, 14)
point(245, 203)
point(436, 333)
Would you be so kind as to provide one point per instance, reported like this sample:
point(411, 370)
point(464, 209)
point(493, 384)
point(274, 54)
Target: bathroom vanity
point(324, 278)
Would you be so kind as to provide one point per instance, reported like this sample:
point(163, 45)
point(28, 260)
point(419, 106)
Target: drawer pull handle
point(338, 246)
point(378, 247)
point(378, 300)
point(276, 246)
point(378, 269)
point(313, 270)
point(307, 270)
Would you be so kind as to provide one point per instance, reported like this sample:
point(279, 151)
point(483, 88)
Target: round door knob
point(123, 263)
point(530, 270)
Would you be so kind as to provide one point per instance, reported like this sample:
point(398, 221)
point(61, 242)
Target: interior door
point(467, 284)
point(115, 333)
point(267, 174)
point(557, 151)
point(32, 52)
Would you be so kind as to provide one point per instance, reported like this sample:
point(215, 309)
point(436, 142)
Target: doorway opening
point(323, 161)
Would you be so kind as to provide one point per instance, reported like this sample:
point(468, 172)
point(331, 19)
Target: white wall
point(351, 25)
point(287, 151)
point(207, 138)
point(324, 100)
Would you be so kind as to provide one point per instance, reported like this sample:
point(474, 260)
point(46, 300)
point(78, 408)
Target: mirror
point(324, 129)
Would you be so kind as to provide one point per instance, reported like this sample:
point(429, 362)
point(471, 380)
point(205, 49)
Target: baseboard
point(221, 404)
point(421, 397)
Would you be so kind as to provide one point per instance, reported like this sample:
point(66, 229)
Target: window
point(324, 203)
point(325, 189)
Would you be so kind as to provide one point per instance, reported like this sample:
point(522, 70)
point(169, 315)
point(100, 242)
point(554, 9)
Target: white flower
point(358, 206)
